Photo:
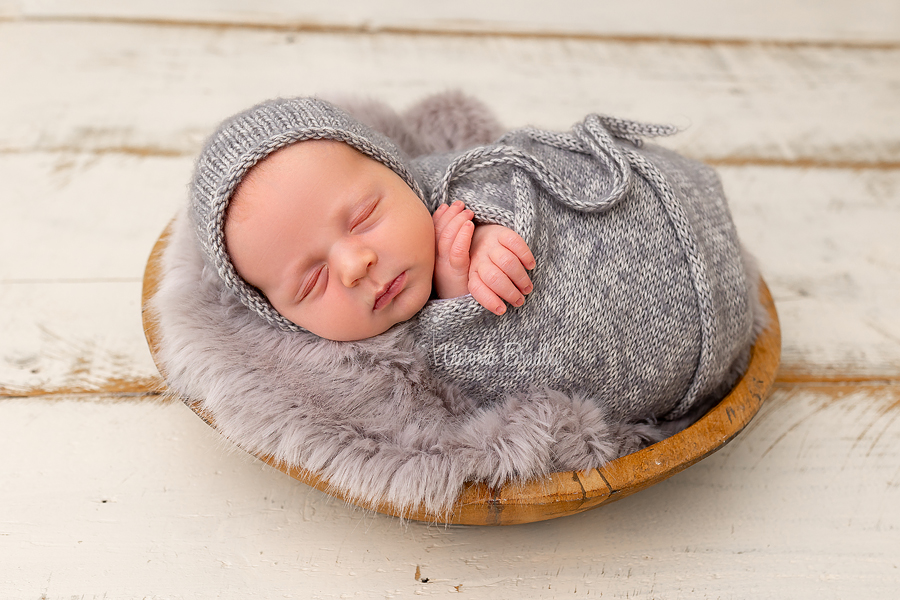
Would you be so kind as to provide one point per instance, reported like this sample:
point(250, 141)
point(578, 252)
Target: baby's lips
point(390, 291)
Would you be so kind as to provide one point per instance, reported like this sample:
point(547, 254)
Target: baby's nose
point(354, 263)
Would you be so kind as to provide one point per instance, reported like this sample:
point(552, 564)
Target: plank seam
point(154, 387)
point(718, 161)
point(367, 29)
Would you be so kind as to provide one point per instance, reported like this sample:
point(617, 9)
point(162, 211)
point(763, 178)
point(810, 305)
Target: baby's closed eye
point(364, 216)
point(310, 283)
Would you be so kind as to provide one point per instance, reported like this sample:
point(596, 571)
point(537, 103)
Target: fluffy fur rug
point(367, 416)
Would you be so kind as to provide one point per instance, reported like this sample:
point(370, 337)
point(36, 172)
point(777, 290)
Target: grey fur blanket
point(368, 416)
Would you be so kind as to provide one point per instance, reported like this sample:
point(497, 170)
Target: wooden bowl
point(564, 493)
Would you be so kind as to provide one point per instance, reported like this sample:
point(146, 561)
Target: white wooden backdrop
point(108, 492)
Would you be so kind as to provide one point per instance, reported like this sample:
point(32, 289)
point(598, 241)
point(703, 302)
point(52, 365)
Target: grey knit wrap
point(243, 141)
point(640, 296)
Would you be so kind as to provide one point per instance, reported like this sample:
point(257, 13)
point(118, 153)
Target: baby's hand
point(499, 260)
point(453, 230)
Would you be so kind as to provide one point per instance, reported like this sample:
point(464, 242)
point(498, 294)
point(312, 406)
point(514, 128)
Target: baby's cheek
point(416, 301)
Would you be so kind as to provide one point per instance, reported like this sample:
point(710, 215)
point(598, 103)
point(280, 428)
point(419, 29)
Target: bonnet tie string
point(593, 136)
point(479, 158)
point(491, 156)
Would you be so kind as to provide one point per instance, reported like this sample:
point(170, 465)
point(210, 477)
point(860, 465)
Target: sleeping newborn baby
point(582, 261)
point(342, 247)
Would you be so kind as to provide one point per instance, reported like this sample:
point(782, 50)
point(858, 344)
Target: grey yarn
point(243, 141)
point(640, 297)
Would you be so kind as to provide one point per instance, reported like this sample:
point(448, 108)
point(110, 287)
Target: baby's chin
point(350, 334)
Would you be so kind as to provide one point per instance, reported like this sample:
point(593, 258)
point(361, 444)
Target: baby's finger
point(485, 297)
point(514, 242)
point(512, 267)
point(499, 283)
point(459, 251)
point(445, 213)
point(438, 213)
point(447, 237)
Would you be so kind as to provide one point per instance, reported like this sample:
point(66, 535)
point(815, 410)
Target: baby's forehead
point(280, 158)
point(298, 152)
point(255, 184)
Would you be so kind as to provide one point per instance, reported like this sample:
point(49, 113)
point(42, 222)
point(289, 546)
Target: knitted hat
point(246, 139)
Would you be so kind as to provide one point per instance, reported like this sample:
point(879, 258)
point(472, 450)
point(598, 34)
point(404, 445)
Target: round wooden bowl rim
point(561, 493)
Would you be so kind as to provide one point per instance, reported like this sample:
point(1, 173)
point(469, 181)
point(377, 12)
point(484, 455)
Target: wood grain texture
point(77, 336)
point(559, 494)
point(828, 247)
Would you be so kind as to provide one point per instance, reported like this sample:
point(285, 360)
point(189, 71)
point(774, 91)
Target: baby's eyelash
point(364, 215)
point(310, 284)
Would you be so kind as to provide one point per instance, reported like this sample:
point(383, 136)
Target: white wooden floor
point(108, 492)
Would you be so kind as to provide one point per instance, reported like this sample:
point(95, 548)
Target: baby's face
point(336, 241)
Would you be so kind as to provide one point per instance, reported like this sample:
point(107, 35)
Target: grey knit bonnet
point(247, 138)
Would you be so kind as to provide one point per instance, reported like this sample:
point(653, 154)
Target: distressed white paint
point(120, 497)
point(71, 335)
point(143, 500)
point(828, 246)
point(86, 217)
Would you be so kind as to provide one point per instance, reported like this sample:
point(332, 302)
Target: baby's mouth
point(390, 291)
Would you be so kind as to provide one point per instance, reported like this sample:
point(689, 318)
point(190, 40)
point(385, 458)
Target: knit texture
point(640, 297)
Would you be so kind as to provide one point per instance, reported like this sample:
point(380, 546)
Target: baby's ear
point(383, 119)
point(451, 121)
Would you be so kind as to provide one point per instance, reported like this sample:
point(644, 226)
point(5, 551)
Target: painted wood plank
point(71, 216)
point(842, 20)
point(75, 335)
point(827, 244)
point(158, 90)
point(142, 500)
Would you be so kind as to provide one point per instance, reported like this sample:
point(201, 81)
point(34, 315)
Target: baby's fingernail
point(520, 301)
point(501, 309)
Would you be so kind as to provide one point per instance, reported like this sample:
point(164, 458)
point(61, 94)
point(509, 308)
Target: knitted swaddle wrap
point(243, 141)
point(640, 297)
